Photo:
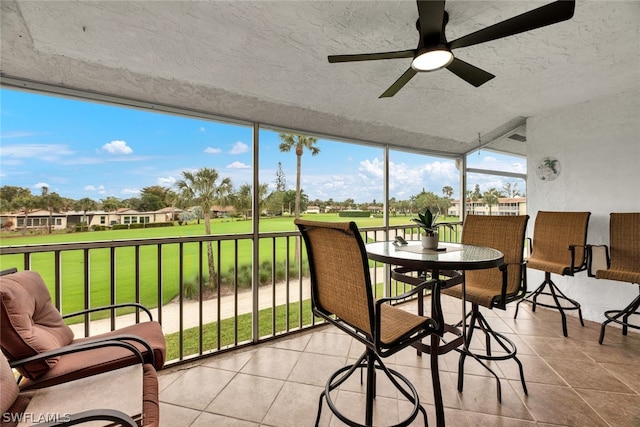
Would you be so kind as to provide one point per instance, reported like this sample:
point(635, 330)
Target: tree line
point(190, 192)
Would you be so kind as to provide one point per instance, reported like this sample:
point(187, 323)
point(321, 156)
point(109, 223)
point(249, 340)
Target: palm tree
point(242, 200)
point(469, 195)
point(491, 198)
point(447, 190)
point(25, 202)
point(299, 142)
point(110, 204)
point(202, 188)
point(50, 202)
point(85, 204)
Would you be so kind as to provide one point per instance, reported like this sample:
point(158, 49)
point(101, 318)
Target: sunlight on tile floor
point(572, 381)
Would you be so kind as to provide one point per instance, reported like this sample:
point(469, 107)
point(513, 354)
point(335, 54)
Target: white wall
point(598, 146)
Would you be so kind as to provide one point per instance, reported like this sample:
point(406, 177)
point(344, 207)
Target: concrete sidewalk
point(190, 317)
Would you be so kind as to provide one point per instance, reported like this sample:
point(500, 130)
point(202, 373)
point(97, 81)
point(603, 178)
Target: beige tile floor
point(572, 381)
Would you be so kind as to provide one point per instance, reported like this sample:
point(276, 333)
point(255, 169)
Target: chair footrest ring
point(336, 380)
point(507, 345)
point(614, 315)
point(574, 304)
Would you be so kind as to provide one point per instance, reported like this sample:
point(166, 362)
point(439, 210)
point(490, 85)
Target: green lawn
point(218, 226)
point(231, 330)
point(234, 331)
point(73, 262)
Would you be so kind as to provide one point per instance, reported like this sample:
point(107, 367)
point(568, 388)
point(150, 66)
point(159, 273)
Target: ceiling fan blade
point(372, 56)
point(469, 73)
point(551, 13)
point(430, 15)
point(403, 80)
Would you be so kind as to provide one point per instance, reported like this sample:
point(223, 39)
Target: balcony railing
point(247, 304)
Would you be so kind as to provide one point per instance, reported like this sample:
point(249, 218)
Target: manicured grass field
point(73, 262)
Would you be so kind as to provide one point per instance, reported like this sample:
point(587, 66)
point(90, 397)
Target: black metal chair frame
point(375, 350)
point(478, 321)
point(113, 416)
point(554, 291)
point(614, 315)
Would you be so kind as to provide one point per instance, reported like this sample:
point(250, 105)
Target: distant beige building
point(505, 206)
point(41, 218)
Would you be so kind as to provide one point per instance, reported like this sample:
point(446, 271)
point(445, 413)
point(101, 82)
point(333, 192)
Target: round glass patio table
point(451, 257)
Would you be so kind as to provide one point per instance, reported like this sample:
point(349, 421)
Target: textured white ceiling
point(267, 61)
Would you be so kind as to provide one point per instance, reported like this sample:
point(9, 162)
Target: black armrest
point(583, 263)
point(76, 348)
point(116, 417)
point(125, 338)
point(601, 258)
point(437, 317)
point(110, 307)
point(425, 284)
point(8, 271)
point(504, 268)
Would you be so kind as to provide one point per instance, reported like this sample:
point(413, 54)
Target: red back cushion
point(29, 322)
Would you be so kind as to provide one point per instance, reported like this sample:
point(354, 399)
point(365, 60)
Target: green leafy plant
point(429, 222)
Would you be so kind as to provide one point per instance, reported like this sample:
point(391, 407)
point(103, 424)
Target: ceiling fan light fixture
point(432, 58)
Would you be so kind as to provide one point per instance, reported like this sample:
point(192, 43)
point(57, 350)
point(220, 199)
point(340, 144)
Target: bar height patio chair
point(342, 294)
point(559, 247)
point(492, 288)
point(620, 261)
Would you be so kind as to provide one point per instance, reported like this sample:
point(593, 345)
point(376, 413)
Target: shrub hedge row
point(354, 214)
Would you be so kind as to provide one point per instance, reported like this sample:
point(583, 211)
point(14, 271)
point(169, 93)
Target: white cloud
point(239, 148)
point(372, 167)
point(238, 165)
point(211, 150)
point(166, 181)
point(493, 163)
point(17, 134)
point(130, 191)
point(406, 180)
point(99, 189)
point(117, 147)
point(45, 152)
point(39, 185)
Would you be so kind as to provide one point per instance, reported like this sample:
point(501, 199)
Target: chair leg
point(505, 343)
point(614, 315)
point(371, 361)
point(557, 295)
point(331, 385)
point(371, 391)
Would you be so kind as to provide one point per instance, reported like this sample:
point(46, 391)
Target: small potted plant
point(429, 224)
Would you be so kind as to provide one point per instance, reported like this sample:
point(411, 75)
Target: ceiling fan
point(434, 51)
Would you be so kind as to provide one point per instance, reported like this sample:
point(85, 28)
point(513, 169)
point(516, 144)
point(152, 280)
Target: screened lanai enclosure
point(569, 92)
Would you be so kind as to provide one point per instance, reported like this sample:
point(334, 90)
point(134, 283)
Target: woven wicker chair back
point(340, 278)
point(506, 234)
point(553, 233)
point(624, 241)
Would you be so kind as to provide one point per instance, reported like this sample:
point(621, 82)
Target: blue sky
point(83, 149)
